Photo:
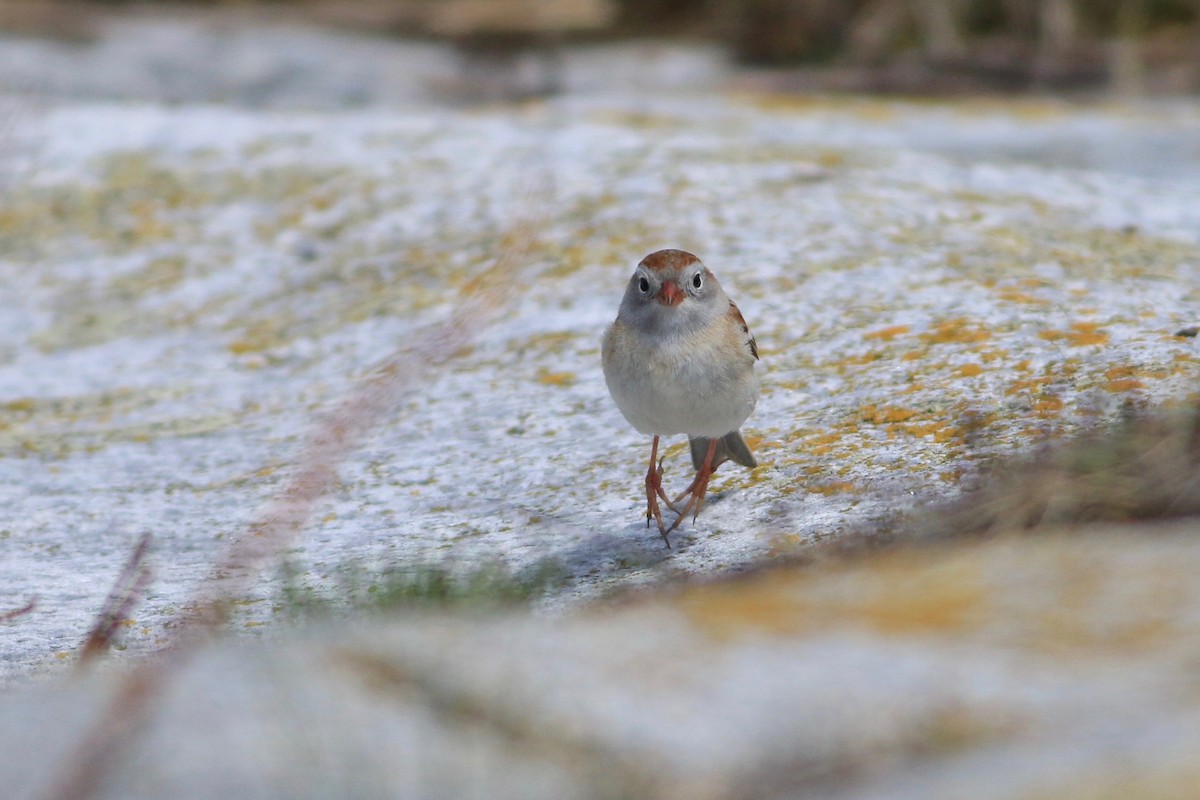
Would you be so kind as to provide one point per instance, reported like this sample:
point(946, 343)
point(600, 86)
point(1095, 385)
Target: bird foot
point(654, 492)
point(695, 493)
point(696, 490)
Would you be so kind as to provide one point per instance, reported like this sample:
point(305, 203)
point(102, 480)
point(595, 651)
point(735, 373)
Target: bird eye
point(643, 285)
point(697, 281)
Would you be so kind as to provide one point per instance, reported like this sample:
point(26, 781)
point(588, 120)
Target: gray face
point(693, 299)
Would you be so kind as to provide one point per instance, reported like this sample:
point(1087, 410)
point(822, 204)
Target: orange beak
point(670, 294)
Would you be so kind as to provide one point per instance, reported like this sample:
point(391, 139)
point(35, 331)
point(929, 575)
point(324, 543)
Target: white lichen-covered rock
point(187, 291)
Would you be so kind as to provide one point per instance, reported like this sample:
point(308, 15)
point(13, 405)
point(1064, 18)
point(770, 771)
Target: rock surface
point(190, 291)
point(1060, 666)
point(366, 344)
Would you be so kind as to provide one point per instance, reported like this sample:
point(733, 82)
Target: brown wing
point(737, 316)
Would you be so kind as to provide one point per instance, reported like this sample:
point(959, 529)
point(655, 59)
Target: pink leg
point(654, 491)
point(698, 488)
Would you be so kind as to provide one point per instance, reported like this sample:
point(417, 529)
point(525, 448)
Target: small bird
point(680, 359)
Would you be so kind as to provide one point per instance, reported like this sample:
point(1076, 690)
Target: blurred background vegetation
point(875, 45)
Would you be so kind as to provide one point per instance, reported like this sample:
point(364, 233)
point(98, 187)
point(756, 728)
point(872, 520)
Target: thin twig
point(126, 592)
point(128, 710)
point(9, 616)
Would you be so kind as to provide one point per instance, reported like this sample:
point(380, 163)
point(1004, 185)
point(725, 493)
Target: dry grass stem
point(1148, 468)
point(99, 749)
point(16, 613)
point(126, 592)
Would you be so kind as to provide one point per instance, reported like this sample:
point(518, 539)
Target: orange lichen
point(241, 347)
point(970, 370)
point(1085, 333)
point(880, 416)
point(859, 360)
point(988, 356)
point(1026, 385)
point(1120, 371)
point(758, 443)
point(887, 334)
point(1080, 334)
point(22, 405)
point(823, 438)
point(555, 378)
point(957, 330)
point(673, 451)
point(940, 431)
point(897, 595)
point(1014, 295)
point(1048, 405)
point(832, 487)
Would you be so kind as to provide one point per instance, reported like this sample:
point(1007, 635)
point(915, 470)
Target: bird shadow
point(601, 551)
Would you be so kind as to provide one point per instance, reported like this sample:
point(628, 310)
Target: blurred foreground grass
point(358, 587)
point(1145, 468)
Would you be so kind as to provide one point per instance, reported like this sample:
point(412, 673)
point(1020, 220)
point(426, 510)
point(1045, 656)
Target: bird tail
point(730, 447)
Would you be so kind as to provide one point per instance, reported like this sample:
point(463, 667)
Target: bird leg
point(654, 491)
point(697, 489)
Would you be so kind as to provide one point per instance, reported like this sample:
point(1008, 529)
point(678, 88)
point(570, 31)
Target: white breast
point(701, 385)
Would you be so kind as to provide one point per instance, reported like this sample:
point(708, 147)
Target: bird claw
point(695, 492)
point(654, 491)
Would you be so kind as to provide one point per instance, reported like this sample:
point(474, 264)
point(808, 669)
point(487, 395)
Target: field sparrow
point(680, 359)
